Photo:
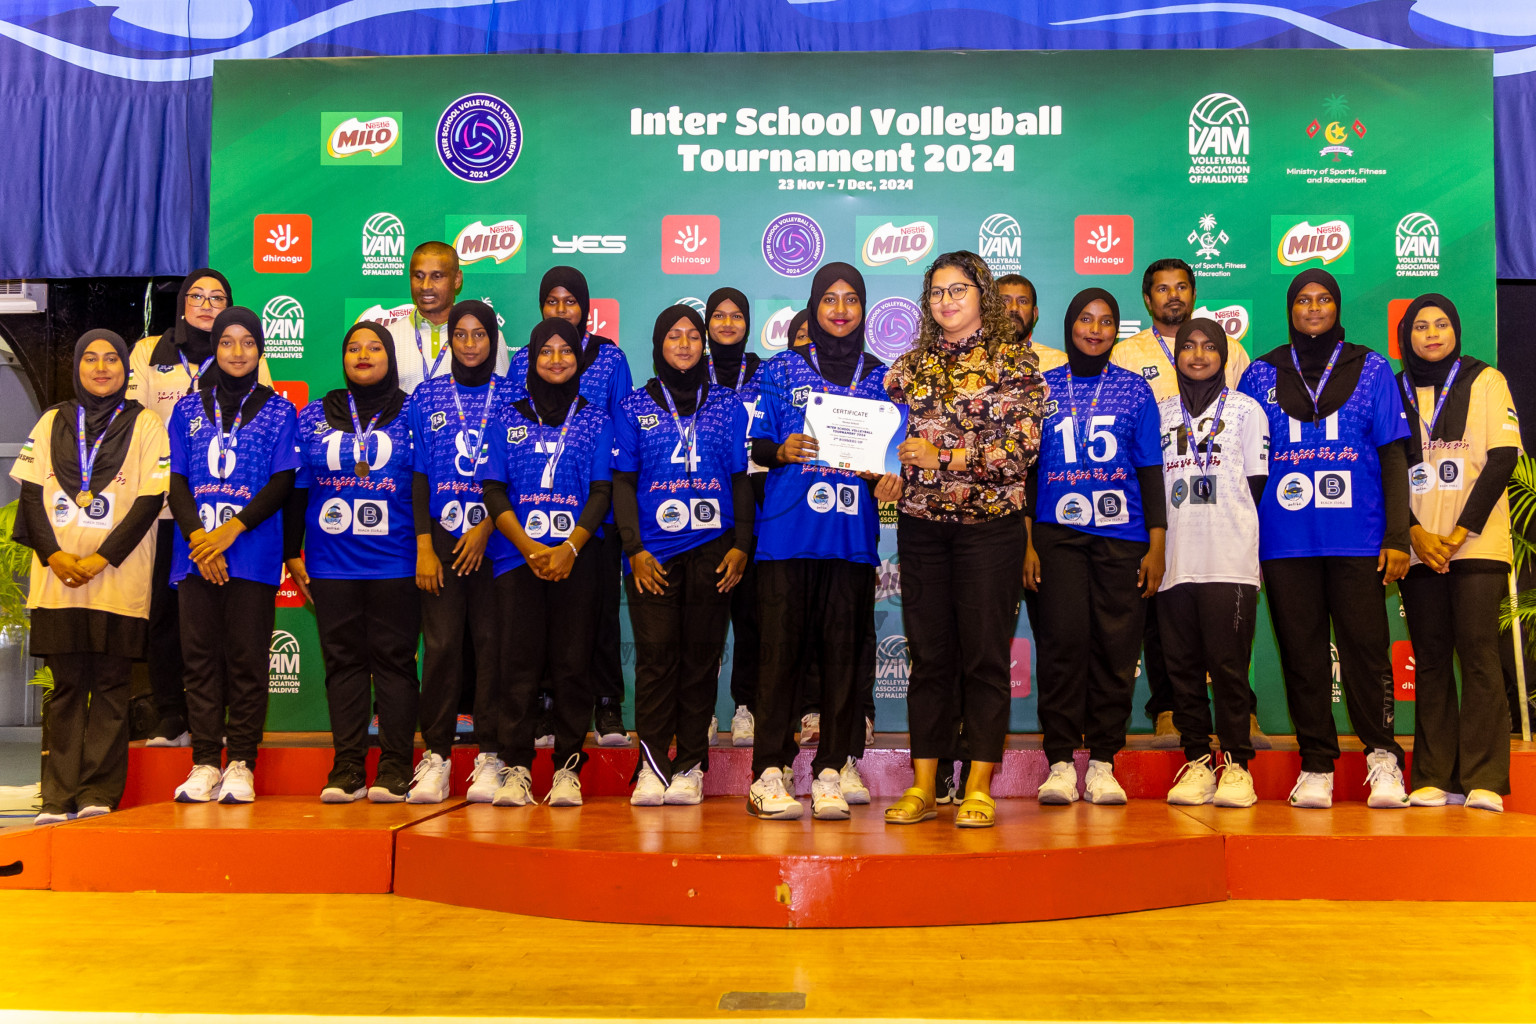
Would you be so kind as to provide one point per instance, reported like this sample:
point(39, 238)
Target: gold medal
point(361, 469)
point(84, 499)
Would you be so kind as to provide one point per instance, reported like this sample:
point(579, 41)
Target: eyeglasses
point(956, 292)
point(216, 301)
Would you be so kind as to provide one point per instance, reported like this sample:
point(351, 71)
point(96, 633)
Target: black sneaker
point(390, 784)
point(944, 789)
point(609, 720)
point(170, 732)
point(345, 785)
point(544, 724)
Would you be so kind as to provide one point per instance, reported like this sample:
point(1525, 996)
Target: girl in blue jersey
point(685, 511)
point(728, 316)
point(818, 549)
point(450, 417)
point(547, 489)
point(605, 379)
point(1095, 549)
point(1334, 516)
point(233, 460)
point(350, 512)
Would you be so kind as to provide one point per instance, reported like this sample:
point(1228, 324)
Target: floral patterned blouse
point(991, 407)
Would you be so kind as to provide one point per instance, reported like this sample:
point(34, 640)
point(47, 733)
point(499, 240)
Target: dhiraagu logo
point(360, 139)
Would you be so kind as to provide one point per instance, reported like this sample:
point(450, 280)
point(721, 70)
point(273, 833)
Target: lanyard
point(554, 461)
point(1322, 382)
point(87, 463)
point(1445, 392)
point(1082, 427)
point(361, 435)
point(218, 423)
point(427, 373)
point(1210, 439)
point(485, 417)
point(195, 376)
point(810, 354)
point(688, 434)
point(1166, 350)
point(740, 370)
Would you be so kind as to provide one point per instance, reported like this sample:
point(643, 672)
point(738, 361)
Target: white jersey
point(1213, 525)
point(410, 330)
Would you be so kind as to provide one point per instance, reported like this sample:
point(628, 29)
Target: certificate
point(856, 434)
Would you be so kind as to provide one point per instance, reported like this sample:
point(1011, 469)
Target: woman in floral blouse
point(975, 399)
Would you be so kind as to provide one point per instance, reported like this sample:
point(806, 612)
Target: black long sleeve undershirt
point(268, 501)
point(1490, 486)
point(1256, 488)
point(293, 522)
point(1154, 513)
point(765, 452)
point(745, 502)
point(1394, 494)
point(626, 511)
point(421, 504)
point(183, 505)
point(40, 535)
point(130, 529)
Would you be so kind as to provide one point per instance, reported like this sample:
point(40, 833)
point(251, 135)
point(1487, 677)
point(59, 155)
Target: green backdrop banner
point(664, 177)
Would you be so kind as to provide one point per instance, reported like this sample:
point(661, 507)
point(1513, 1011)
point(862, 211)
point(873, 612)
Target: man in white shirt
point(421, 339)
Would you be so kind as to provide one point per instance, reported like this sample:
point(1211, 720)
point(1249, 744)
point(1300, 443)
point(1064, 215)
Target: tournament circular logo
point(891, 327)
point(479, 137)
point(793, 244)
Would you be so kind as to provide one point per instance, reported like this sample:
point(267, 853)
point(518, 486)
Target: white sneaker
point(92, 811)
point(515, 789)
point(1101, 786)
point(827, 803)
point(1060, 787)
point(1236, 786)
point(565, 790)
point(1428, 796)
point(183, 739)
point(650, 791)
point(484, 779)
point(686, 787)
point(1485, 800)
point(1385, 779)
point(49, 818)
point(810, 728)
point(789, 779)
point(869, 732)
point(743, 727)
point(429, 785)
point(769, 799)
point(852, 784)
point(1313, 789)
point(1194, 785)
point(714, 730)
point(202, 785)
point(238, 786)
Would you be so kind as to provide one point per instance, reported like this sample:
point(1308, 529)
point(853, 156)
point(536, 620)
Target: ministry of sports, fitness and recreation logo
point(283, 663)
point(891, 327)
point(383, 246)
point(1218, 140)
point(489, 243)
point(893, 666)
point(1001, 243)
point(891, 247)
point(479, 137)
point(1418, 246)
point(1208, 236)
point(282, 321)
point(1335, 134)
point(347, 137)
point(793, 244)
point(1324, 241)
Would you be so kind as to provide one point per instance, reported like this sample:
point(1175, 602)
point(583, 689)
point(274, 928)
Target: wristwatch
point(946, 456)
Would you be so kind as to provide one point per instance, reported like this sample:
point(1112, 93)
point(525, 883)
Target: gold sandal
point(913, 807)
point(979, 804)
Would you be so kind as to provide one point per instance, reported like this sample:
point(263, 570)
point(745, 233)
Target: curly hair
point(997, 327)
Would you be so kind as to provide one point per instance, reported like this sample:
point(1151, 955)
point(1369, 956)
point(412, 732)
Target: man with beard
point(421, 339)
point(1168, 291)
point(1018, 294)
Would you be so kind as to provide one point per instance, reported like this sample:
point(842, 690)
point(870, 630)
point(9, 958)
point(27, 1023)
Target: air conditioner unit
point(23, 297)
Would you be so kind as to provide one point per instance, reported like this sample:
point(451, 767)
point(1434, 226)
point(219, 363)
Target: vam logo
point(893, 666)
point(378, 135)
point(1218, 140)
point(895, 246)
point(1418, 246)
point(489, 244)
point(383, 246)
point(282, 321)
point(1327, 242)
point(283, 664)
point(1001, 244)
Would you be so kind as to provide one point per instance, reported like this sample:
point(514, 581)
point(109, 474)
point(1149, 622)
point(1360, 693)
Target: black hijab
point(688, 387)
point(575, 282)
point(194, 343)
point(1312, 354)
point(796, 322)
point(474, 376)
point(734, 365)
point(1080, 363)
point(231, 392)
point(1199, 394)
point(550, 402)
point(838, 357)
point(1419, 372)
point(64, 452)
point(384, 397)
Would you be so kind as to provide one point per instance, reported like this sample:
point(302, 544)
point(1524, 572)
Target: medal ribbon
point(359, 434)
point(554, 460)
point(1081, 426)
point(810, 352)
point(1445, 392)
point(1322, 382)
point(1210, 439)
point(740, 372)
point(688, 434)
point(485, 415)
point(194, 375)
point(87, 463)
point(218, 423)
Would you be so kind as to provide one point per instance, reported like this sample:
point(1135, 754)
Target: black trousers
point(679, 637)
point(226, 642)
point(547, 630)
point(87, 763)
point(747, 639)
point(368, 634)
point(1091, 614)
point(606, 673)
point(1305, 596)
point(466, 603)
point(960, 587)
point(1155, 661)
point(163, 649)
point(1458, 745)
point(817, 611)
point(1207, 628)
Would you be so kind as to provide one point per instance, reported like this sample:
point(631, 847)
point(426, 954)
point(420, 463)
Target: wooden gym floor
point(385, 955)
